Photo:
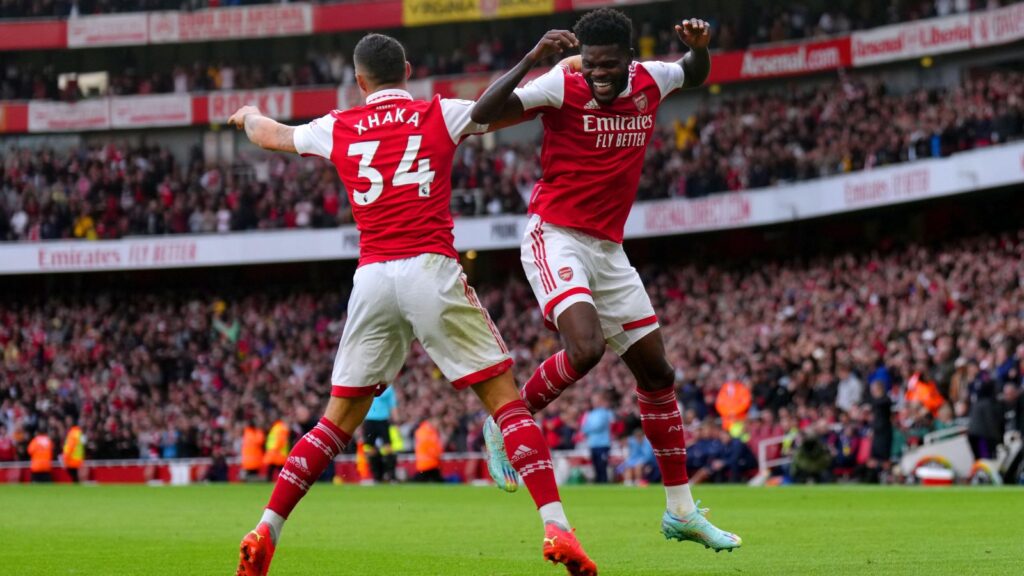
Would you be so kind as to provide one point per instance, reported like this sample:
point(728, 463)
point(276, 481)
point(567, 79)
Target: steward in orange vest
point(40, 451)
point(74, 452)
point(252, 451)
point(277, 449)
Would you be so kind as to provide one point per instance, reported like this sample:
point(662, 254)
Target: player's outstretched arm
point(262, 131)
point(696, 34)
point(498, 103)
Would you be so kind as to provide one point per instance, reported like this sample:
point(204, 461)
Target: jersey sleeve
point(457, 118)
point(316, 138)
point(547, 90)
point(668, 75)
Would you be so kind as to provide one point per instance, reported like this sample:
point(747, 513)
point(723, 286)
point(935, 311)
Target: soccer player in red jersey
point(394, 156)
point(597, 123)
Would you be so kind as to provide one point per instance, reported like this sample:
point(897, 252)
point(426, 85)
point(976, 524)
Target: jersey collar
point(388, 94)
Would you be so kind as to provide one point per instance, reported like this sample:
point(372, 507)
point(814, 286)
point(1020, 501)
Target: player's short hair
point(381, 57)
point(605, 27)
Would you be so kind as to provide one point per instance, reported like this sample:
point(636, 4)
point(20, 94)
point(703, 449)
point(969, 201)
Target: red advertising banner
point(357, 15)
point(46, 116)
point(276, 103)
point(777, 61)
point(229, 23)
point(151, 111)
point(717, 211)
point(33, 35)
point(114, 30)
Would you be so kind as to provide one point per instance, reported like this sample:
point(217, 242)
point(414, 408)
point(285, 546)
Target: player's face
point(606, 70)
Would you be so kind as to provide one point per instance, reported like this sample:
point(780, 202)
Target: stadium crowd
point(764, 22)
point(852, 357)
point(495, 50)
point(732, 143)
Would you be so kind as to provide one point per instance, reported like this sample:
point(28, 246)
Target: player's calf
point(306, 462)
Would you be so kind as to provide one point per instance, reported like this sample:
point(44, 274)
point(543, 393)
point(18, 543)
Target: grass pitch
point(458, 530)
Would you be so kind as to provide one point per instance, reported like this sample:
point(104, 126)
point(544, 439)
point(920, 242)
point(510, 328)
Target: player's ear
point(361, 81)
point(408, 70)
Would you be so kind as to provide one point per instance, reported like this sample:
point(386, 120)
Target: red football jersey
point(394, 156)
point(593, 154)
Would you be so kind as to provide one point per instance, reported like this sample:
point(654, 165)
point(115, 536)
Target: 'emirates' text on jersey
point(394, 156)
point(593, 154)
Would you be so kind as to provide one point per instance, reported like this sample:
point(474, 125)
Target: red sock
point(663, 426)
point(306, 462)
point(552, 377)
point(528, 452)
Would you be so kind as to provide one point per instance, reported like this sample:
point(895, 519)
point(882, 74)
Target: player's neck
point(371, 90)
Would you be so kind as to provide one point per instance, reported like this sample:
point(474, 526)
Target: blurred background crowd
point(853, 358)
point(770, 137)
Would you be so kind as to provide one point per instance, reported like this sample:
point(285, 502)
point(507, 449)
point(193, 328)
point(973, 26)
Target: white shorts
point(424, 298)
point(566, 266)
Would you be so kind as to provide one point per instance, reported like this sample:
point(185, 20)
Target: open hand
point(554, 42)
point(695, 33)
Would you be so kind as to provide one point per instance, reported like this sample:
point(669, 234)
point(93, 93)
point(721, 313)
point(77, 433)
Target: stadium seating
point(767, 138)
point(161, 374)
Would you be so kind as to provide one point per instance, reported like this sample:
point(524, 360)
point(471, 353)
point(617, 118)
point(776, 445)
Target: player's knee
point(657, 377)
point(585, 354)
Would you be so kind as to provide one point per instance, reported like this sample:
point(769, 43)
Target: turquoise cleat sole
point(504, 475)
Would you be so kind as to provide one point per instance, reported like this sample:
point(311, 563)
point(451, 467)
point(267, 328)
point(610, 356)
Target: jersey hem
point(600, 235)
point(405, 256)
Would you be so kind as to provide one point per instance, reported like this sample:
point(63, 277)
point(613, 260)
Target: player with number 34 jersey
point(394, 156)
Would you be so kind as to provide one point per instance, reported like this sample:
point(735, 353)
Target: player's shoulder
point(648, 68)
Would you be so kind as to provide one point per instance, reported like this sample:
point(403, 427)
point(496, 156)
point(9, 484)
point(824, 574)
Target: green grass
point(455, 530)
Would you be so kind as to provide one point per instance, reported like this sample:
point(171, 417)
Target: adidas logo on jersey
point(522, 452)
point(592, 105)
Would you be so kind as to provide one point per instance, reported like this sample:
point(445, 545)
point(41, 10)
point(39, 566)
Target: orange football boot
point(561, 547)
point(255, 553)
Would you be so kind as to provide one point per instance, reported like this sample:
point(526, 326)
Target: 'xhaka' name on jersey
point(390, 117)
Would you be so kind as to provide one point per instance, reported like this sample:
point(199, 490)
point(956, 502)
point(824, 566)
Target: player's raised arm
point(696, 34)
point(263, 131)
point(498, 103)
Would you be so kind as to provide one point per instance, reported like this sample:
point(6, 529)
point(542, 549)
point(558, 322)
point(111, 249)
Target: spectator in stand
point(705, 457)
point(849, 391)
point(127, 365)
point(764, 139)
point(597, 429)
point(640, 464)
point(740, 462)
point(7, 447)
point(812, 459)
